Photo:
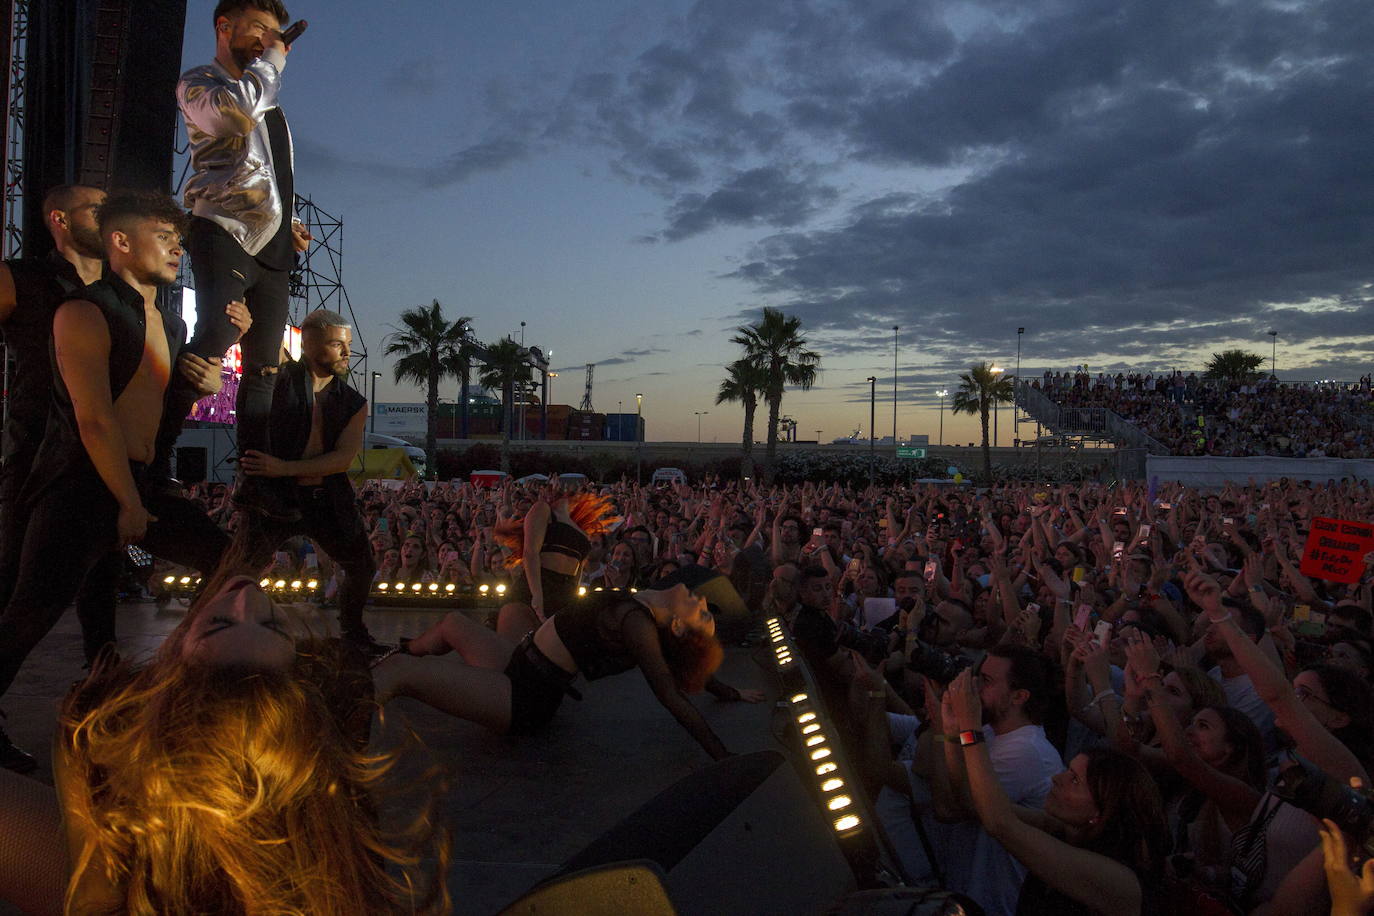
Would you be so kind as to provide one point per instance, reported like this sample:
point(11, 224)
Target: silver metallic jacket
point(233, 182)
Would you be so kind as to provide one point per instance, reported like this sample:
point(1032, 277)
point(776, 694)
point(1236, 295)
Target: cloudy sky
point(1137, 183)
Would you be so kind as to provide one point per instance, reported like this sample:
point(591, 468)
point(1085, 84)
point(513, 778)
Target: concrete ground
point(518, 807)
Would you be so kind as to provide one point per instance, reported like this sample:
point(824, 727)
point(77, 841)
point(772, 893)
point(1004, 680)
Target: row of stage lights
point(189, 584)
point(822, 758)
point(435, 590)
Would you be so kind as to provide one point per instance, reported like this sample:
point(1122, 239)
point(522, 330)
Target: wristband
point(1211, 619)
point(971, 737)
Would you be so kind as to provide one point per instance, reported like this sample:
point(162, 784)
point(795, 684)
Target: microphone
point(290, 35)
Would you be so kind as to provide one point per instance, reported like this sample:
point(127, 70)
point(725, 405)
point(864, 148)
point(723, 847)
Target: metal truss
point(14, 113)
point(317, 280)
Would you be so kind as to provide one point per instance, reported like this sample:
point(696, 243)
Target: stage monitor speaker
point(191, 464)
point(606, 890)
point(740, 836)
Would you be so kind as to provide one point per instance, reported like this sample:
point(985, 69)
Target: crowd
point(1195, 416)
point(1157, 683)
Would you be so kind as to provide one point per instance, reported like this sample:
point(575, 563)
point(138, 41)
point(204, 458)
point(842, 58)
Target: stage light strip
point(830, 782)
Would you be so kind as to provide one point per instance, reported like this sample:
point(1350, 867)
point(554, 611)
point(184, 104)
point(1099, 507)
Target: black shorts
point(537, 687)
point(559, 589)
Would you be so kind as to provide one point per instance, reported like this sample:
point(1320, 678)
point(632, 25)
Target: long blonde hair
point(234, 790)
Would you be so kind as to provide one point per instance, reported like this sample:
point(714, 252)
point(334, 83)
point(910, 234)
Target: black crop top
point(569, 540)
point(590, 629)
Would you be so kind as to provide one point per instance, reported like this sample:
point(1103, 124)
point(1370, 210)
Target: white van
point(667, 477)
point(415, 454)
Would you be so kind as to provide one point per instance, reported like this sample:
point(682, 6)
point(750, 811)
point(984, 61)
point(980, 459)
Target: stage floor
point(518, 807)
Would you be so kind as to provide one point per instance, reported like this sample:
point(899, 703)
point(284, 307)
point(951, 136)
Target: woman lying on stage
point(667, 633)
point(227, 775)
point(547, 548)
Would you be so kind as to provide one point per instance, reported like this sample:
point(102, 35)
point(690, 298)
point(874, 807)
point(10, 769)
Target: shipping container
point(586, 427)
point(620, 427)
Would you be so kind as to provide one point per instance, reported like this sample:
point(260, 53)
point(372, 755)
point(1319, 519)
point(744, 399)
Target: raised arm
point(1092, 879)
point(232, 108)
point(1291, 714)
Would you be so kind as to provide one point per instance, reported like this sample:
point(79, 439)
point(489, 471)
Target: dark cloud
point(487, 156)
point(414, 76)
point(763, 196)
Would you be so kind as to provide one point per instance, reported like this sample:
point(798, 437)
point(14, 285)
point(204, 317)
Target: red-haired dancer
point(557, 533)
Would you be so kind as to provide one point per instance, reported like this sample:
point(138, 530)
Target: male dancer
point(317, 426)
point(242, 239)
point(113, 351)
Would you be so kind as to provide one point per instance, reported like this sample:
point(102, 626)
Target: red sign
point(1335, 550)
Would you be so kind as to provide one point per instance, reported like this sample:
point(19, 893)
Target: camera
point(871, 644)
point(938, 665)
point(1307, 787)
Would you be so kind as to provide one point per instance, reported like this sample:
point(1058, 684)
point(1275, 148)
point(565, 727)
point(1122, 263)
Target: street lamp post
point(1273, 354)
point(700, 414)
point(942, 393)
point(375, 376)
point(872, 419)
point(1020, 332)
point(996, 411)
point(895, 329)
point(639, 439)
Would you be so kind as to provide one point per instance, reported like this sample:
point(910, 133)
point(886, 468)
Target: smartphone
point(816, 532)
point(1033, 608)
point(1144, 533)
point(1102, 633)
point(382, 524)
point(931, 567)
point(1166, 506)
point(1117, 549)
point(1083, 617)
point(1119, 511)
point(1228, 521)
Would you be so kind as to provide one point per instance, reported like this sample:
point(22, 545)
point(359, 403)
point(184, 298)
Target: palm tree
point(1233, 365)
point(744, 383)
point(431, 348)
point(777, 349)
point(506, 364)
point(980, 389)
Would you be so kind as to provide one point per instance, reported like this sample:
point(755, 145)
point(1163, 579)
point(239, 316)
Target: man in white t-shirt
point(1016, 688)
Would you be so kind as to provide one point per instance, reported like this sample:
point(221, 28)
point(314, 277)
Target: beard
point(244, 56)
point(87, 240)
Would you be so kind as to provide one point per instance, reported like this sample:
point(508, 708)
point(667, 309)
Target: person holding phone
point(243, 239)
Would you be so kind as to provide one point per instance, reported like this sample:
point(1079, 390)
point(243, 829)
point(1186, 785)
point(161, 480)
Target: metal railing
point(1094, 422)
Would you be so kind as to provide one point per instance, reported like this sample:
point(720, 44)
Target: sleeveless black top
point(590, 629)
point(565, 539)
point(62, 452)
point(293, 406)
point(40, 286)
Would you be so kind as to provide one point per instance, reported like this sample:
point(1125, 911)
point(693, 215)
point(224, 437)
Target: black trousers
point(339, 531)
point(225, 272)
point(72, 529)
point(97, 597)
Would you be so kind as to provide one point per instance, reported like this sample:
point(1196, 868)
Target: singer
point(243, 239)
